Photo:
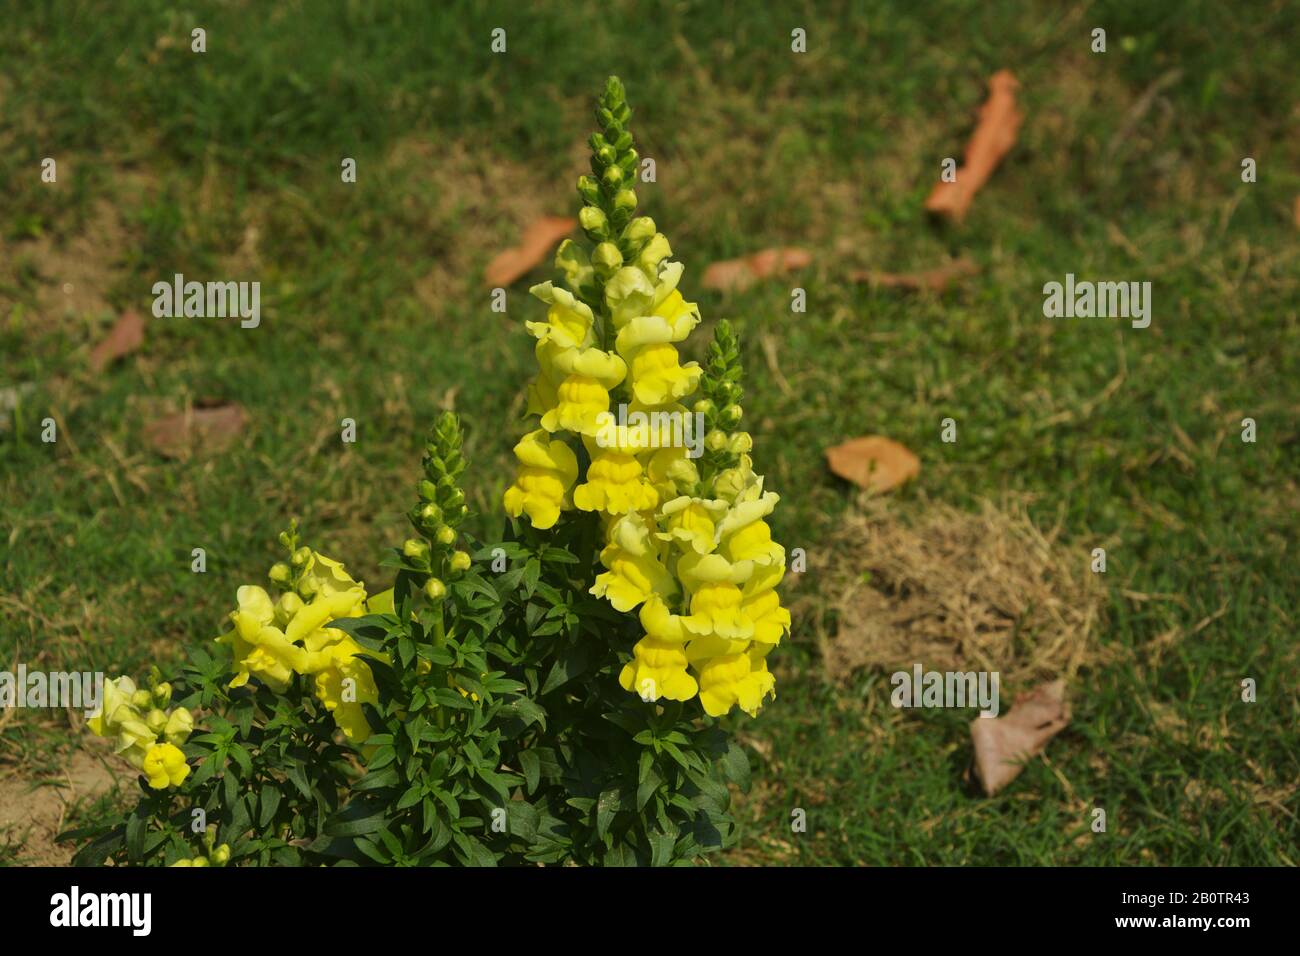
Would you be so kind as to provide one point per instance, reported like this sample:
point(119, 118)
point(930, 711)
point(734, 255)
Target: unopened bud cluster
point(724, 442)
point(608, 197)
point(440, 511)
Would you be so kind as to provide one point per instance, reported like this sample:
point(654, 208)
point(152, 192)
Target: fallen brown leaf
point(874, 462)
point(1004, 744)
point(538, 240)
point(995, 134)
point(125, 337)
point(935, 280)
point(214, 429)
point(737, 274)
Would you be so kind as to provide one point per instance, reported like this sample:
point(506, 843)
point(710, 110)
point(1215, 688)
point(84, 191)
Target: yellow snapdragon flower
point(584, 378)
point(547, 470)
point(635, 569)
point(734, 679)
point(568, 320)
point(616, 483)
point(276, 640)
point(654, 370)
point(164, 765)
point(123, 716)
point(692, 522)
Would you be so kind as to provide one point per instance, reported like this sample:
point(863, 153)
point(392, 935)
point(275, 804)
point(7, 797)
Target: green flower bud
point(302, 557)
point(447, 535)
point(454, 500)
point(641, 229)
point(612, 177)
point(141, 699)
point(280, 574)
point(307, 588)
point(606, 155)
point(704, 407)
point(593, 220)
point(625, 199)
point(460, 561)
point(155, 720)
point(741, 443)
point(431, 514)
point(589, 190)
point(427, 489)
point(606, 258)
point(162, 694)
point(415, 549)
point(731, 415)
point(200, 861)
point(715, 440)
point(435, 590)
point(221, 855)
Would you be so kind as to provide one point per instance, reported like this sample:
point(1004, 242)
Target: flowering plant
point(550, 698)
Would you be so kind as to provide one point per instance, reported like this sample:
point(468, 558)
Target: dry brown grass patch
point(958, 591)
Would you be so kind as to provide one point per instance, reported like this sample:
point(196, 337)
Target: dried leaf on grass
point(538, 240)
point(125, 337)
point(957, 591)
point(933, 280)
point(995, 134)
point(211, 429)
point(873, 462)
point(1004, 744)
point(737, 274)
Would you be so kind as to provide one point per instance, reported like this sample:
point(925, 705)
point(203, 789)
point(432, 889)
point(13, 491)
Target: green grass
point(225, 165)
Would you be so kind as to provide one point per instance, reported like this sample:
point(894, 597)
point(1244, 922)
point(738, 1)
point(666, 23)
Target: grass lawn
point(225, 165)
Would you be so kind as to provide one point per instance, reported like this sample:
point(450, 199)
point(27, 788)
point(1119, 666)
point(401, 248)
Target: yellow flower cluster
point(147, 735)
point(693, 553)
point(273, 640)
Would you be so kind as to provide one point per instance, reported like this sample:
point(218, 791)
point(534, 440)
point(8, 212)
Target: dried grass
point(958, 591)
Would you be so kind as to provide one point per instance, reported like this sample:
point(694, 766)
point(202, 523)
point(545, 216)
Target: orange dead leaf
point(736, 274)
point(125, 337)
point(538, 240)
point(1004, 744)
point(874, 462)
point(935, 280)
point(994, 135)
point(214, 429)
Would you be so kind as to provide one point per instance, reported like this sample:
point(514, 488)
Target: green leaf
point(523, 819)
point(268, 803)
point(620, 854)
point(413, 795)
point(648, 780)
point(355, 820)
point(568, 665)
point(661, 847)
point(135, 827)
point(532, 767)
point(532, 572)
point(297, 774)
point(387, 777)
point(606, 807)
point(735, 766)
